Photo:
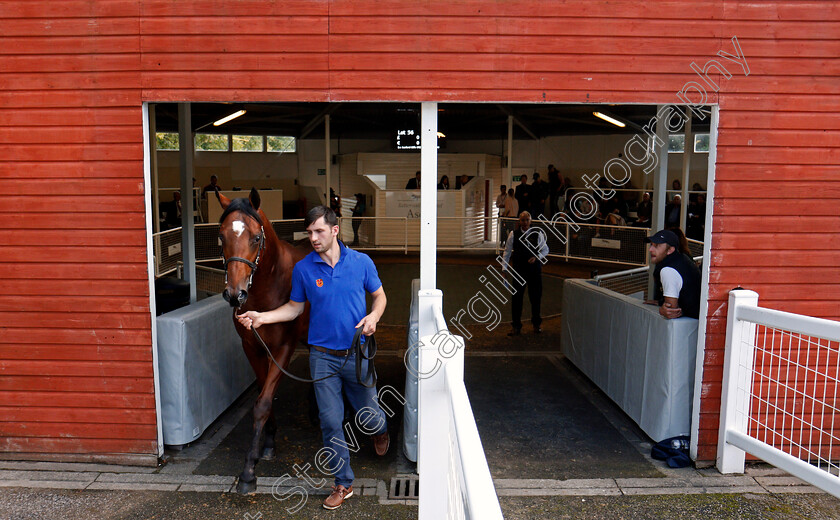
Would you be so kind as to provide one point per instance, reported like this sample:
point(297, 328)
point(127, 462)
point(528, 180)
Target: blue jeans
point(331, 409)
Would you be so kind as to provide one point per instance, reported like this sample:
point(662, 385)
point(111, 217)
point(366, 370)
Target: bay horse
point(258, 276)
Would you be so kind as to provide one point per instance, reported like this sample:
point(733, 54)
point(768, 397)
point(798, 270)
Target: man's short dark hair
point(320, 211)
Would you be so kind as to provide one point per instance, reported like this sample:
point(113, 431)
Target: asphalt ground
point(556, 447)
point(38, 504)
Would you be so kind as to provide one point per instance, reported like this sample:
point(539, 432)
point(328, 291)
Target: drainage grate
point(404, 487)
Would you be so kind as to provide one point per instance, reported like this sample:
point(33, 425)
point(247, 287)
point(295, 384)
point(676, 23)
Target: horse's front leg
point(284, 356)
point(268, 450)
point(262, 410)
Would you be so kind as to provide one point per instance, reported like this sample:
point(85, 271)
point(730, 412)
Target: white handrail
point(807, 325)
point(455, 480)
point(480, 493)
point(630, 272)
point(627, 272)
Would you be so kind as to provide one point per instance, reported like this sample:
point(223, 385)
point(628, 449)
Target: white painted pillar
point(660, 181)
point(432, 435)
point(660, 176)
point(509, 173)
point(704, 285)
point(186, 153)
point(734, 401)
point(428, 196)
point(688, 150)
point(153, 167)
point(152, 210)
point(328, 159)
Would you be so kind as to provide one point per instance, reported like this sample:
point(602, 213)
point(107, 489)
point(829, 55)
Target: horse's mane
point(243, 205)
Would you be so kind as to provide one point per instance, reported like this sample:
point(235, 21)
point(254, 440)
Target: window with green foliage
point(167, 141)
point(676, 143)
point(280, 143)
point(211, 142)
point(701, 143)
point(247, 143)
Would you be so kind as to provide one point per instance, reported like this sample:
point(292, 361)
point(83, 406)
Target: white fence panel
point(779, 395)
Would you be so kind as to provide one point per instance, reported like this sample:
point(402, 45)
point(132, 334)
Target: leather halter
point(253, 265)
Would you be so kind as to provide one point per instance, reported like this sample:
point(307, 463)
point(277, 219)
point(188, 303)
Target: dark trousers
point(532, 273)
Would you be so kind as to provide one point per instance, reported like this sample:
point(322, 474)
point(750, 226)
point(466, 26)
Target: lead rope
point(359, 351)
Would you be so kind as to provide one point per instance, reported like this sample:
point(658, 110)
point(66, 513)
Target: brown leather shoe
point(381, 443)
point(338, 496)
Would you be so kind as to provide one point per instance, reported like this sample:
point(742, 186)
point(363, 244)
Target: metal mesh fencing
point(359, 232)
point(207, 244)
point(613, 244)
point(623, 245)
point(167, 252)
point(696, 247)
point(793, 395)
point(633, 282)
point(209, 279)
point(287, 229)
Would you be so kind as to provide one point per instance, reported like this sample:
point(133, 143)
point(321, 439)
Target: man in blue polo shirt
point(334, 279)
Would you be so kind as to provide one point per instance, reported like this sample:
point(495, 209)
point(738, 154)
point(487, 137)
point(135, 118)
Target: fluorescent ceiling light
point(440, 134)
point(609, 119)
point(228, 118)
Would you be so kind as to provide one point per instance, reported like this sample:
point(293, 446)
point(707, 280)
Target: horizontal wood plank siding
point(76, 373)
point(778, 162)
point(74, 75)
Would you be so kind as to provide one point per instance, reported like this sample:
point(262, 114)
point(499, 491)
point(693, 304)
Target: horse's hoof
point(246, 488)
point(267, 454)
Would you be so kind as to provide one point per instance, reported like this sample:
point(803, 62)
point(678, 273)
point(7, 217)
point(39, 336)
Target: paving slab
point(73, 467)
point(124, 486)
point(593, 491)
point(512, 483)
point(205, 488)
point(141, 478)
point(48, 475)
point(652, 482)
point(44, 483)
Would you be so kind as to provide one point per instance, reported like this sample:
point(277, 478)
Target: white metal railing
point(779, 395)
point(455, 481)
point(611, 244)
point(623, 245)
point(630, 281)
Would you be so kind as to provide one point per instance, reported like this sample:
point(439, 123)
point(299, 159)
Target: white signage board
point(606, 243)
point(406, 203)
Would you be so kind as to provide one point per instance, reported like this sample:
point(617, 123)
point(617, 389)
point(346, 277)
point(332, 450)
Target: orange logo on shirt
point(319, 282)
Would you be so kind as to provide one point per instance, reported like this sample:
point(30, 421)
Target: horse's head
point(242, 235)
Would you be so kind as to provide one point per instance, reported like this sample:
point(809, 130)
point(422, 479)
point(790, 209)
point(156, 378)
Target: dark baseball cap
point(664, 236)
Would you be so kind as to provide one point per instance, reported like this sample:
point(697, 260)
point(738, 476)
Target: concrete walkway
point(31, 490)
point(572, 475)
point(103, 477)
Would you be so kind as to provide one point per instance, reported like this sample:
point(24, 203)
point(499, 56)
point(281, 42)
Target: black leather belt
point(336, 353)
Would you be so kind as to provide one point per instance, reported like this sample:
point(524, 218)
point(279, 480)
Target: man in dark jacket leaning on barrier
point(676, 277)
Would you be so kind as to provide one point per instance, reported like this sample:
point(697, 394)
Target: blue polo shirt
point(336, 295)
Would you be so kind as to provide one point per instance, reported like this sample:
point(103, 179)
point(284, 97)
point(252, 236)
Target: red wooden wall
point(75, 348)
